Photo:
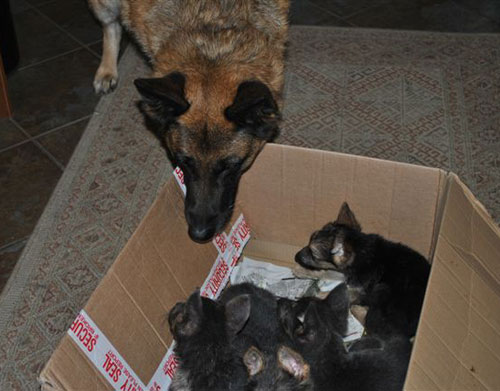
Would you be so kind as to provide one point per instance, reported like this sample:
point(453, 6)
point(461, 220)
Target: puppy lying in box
point(387, 277)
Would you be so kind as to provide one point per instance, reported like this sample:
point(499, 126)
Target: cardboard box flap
point(471, 231)
point(61, 374)
point(158, 267)
point(458, 342)
point(290, 192)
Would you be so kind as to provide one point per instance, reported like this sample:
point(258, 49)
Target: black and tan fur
point(215, 92)
point(387, 277)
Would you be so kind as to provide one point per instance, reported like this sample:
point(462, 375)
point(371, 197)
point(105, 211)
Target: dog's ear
point(346, 217)
point(311, 326)
point(338, 299)
point(287, 317)
point(163, 97)
point(254, 110)
point(293, 363)
point(253, 360)
point(188, 322)
point(237, 312)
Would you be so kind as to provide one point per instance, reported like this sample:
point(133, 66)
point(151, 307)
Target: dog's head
point(302, 322)
point(213, 130)
point(333, 246)
point(200, 318)
point(334, 310)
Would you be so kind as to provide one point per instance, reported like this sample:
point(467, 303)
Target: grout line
point(32, 138)
point(14, 242)
point(339, 17)
point(15, 145)
point(355, 13)
point(94, 42)
point(93, 52)
point(21, 128)
point(48, 59)
point(85, 46)
point(324, 9)
point(42, 3)
point(40, 146)
point(82, 44)
point(49, 155)
point(81, 119)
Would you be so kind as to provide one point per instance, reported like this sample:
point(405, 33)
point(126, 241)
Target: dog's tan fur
point(217, 46)
point(224, 41)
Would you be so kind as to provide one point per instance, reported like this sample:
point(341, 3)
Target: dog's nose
point(201, 226)
point(304, 257)
point(201, 234)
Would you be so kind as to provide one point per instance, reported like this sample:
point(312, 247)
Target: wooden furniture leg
point(5, 108)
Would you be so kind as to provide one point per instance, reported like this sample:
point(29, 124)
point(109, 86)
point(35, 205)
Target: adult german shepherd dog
point(215, 93)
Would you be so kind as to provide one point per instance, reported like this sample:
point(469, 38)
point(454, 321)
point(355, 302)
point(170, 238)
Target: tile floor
point(52, 98)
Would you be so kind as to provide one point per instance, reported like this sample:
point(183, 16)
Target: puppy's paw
point(105, 81)
point(301, 272)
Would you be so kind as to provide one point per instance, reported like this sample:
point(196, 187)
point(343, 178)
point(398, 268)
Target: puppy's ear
point(293, 363)
point(346, 217)
point(163, 97)
point(253, 360)
point(311, 325)
point(188, 322)
point(287, 317)
point(237, 312)
point(338, 298)
point(255, 111)
point(176, 317)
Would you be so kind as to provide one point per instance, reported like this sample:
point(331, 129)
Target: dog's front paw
point(105, 81)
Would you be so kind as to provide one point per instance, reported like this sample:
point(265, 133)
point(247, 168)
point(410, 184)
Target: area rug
point(424, 98)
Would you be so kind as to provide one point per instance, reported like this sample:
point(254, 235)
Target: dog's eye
point(186, 161)
point(229, 164)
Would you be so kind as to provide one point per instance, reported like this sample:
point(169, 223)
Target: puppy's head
point(302, 319)
point(285, 370)
point(332, 247)
point(213, 127)
point(205, 318)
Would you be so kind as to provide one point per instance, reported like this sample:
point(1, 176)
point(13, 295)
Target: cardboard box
point(285, 196)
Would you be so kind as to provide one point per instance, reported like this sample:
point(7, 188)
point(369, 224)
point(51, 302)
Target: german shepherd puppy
point(214, 337)
point(204, 332)
point(391, 278)
point(379, 366)
point(215, 96)
point(270, 365)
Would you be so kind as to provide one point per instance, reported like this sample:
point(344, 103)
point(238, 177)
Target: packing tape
point(103, 354)
point(99, 350)
point(179, 176)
